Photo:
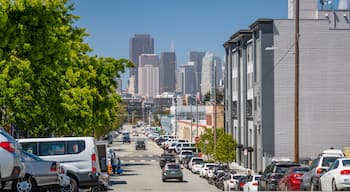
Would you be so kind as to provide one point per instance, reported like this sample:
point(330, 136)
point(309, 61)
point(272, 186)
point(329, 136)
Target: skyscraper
point(148, 71)
point(189, 78)
point(197, 58)
point(139, 44)
point(210, 62)
point(167, 72)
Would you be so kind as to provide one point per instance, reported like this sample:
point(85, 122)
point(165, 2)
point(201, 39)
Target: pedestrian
point(119, 167)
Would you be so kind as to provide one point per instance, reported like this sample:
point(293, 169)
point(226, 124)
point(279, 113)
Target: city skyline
point(191, 25)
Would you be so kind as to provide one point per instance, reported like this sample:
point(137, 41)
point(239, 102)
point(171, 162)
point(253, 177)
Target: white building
point(148, 72)
point(211, 63)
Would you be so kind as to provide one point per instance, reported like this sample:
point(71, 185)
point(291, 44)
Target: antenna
point(172, 46)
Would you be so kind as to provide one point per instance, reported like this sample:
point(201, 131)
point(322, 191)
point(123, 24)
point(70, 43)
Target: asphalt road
point(142, 171)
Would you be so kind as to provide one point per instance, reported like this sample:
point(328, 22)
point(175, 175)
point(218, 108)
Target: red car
point(291, 180)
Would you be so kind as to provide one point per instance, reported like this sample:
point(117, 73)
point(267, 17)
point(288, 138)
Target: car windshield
point(174, 166)
point(327, 161)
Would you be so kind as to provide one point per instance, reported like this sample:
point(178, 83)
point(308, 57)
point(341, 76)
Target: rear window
point(300, 170)
point(173, 166)
point(327, 161)
point(187, 153)
point(282, 168)
point(197, 161)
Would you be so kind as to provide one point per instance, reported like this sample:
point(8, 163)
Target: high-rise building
point(167, 72)
point(119, 85)
point(211, 64)
point(148, 75)
point(179, 74)
point(197, 58)
point(189, 78)
point(139, 44)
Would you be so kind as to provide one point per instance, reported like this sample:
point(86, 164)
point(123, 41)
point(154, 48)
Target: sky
point(193, 25)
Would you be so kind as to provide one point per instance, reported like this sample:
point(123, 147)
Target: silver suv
point(311, 179)
point(11, 167)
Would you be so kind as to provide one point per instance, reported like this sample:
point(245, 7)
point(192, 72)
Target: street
point(142, 171)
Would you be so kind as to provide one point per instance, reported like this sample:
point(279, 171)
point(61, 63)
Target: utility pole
point(296, 86)
point(191, 135)
point(175, 117)
point(215, 136)
point(197, 116)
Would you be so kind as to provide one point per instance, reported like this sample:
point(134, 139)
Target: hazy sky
point(193, 25)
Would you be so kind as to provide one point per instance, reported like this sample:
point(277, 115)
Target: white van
point(185, 146)
point(77, 155)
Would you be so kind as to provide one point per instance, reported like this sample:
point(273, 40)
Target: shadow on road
point(128, 174)
point(175, 181)
point(134, 164)
point(117, 182)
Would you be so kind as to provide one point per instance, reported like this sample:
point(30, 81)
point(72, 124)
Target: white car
point(195, 160)
point(252, 183)
point(196, 167)
point(232, 184)
point(11, 167)
point(203, 172)
point(337, 177)
point(184, 153)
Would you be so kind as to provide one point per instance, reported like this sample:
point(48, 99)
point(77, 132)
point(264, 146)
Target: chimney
point(344, 5)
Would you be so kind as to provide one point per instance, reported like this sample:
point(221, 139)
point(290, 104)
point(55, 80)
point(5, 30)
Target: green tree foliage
point(49, 82)
point(219, 96)
point(225, 146)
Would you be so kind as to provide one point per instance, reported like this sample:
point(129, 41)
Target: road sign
point(196, 139)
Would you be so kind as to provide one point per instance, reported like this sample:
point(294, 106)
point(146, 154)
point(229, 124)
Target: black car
point(273, 174)
point(140, 145)
point(166, 158)
point(126, 139)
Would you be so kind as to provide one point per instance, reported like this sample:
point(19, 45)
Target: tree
point(219, 96)
point(225, 148)
point(206, 143)
point(49, 82)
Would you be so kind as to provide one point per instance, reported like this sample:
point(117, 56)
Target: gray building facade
point(167, 68)
point(259, 76)
point(197, 58)
point(139, 44)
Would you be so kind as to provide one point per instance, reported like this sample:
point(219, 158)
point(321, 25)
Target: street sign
point(196, 139)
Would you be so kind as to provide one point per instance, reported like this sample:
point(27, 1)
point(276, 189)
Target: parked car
point(252, 183)
point(337, 177)
point(40, 174)
point(203, 172)
point(172, 171)
point(195, 160)
point(311, 179)
point(11, 166)
point(183, 154)
point(232, 182)
point(291, 180)
point(140, 144)
point(166, 158)
point(77, 155)
point(273, 173)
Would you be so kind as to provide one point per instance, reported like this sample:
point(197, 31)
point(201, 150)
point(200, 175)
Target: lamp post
point(175, 117)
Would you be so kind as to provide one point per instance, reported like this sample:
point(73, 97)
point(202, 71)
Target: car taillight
point(319, 170)
point(93, 162)
point(53, 167)
point(255, 183)
point(8, 146)
point(241, 184)
point(345, 172)
point(61, 170)
point(295, 178)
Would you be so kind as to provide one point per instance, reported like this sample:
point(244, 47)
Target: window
point(74, 147)
point(328, 161)
point(51, 148)
point(314, 163)
point(334, 165)
point(30, 147)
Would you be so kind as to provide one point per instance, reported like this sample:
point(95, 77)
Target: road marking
point(153, 160)
point(132, 161)
point(142, 160)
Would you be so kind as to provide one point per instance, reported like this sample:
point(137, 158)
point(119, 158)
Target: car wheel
point(163, 180)
point(72, 187)
point(334, 186)
point(96, 188)
point(181, 179)
point(26, 184)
